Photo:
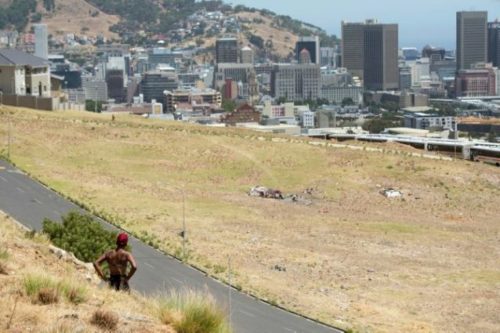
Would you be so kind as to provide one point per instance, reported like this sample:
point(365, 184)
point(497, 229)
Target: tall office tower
point(311, 44)
point(353, 41)
point(472, 44)
point(41, 41)
point(226, 50)
point(494, 43)
point(380, 55)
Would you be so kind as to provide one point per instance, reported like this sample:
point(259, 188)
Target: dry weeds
point(31, 257)
point(426, 263)
point(106, 320)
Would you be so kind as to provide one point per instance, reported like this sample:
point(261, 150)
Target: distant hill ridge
point(137, 21)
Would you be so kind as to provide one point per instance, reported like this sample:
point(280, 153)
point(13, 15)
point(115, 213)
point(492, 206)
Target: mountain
point(177, 22)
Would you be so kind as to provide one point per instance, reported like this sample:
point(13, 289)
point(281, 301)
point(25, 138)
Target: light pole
point(9, 135)
point(95, 103)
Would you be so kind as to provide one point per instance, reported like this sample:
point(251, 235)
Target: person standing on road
point(117, 261)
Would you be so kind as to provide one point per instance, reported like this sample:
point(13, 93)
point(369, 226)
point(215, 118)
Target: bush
point(45, 290)
point(81, 235)
point(48, 296)
point(105, 319)
point(197, 313)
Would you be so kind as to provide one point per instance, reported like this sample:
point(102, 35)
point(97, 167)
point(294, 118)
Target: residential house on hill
point(23, 74)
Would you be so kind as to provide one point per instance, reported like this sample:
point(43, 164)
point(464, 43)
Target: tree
point(347, 101)
point(229, 105)
point(90, 106)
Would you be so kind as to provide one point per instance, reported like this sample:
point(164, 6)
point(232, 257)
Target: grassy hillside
point(27, 262)
point(426, 263)
point(45, 292)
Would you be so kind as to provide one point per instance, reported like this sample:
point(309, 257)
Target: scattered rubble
point(264, 192)
point(391, 193)
point(269, 193)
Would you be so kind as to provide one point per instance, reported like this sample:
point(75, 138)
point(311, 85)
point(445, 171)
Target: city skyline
point(430, 22)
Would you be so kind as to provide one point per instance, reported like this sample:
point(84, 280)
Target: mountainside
point(341, 252)
point(178, 23)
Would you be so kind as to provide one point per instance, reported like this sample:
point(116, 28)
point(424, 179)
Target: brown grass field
point(428, 262)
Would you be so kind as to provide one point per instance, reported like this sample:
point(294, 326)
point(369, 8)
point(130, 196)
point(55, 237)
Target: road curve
point(29, 202)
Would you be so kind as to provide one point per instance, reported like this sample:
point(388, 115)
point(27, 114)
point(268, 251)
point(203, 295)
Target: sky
point(420, 22)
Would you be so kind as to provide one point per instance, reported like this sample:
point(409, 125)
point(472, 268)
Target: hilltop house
point(23, 74)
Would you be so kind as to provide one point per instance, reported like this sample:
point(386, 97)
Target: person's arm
point(133, 265)
point(97, 266)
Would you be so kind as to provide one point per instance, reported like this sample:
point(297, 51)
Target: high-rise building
point(494, 43)
point(226, 50)
point(311, 44)
point(471, 38)
point(154, 84)
point(381, 70)
point(296, 82)
point(41, 41)
point(327, 56)
point(353, 40)
point(116, 87)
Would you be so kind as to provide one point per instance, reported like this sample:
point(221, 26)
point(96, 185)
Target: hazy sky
point(420, 22)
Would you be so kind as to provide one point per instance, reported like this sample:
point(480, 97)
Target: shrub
point(48, 296)
point(73, 292)
point(81, 235)
point(105, 319)
point(197, 313)
point(34, 283)
point(46, 290)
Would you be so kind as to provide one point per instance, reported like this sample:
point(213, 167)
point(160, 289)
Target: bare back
point(117, 261)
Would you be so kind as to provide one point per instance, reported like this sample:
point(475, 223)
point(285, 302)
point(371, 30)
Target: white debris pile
point(391, 193)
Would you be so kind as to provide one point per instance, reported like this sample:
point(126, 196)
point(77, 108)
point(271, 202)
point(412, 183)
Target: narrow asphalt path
point(29, 202)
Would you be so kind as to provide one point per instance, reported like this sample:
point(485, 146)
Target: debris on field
point(264, 192)
point(391, 193)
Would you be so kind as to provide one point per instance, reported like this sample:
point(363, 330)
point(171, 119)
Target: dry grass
point(352, 258)
point(73, 16)
point(36, 299)
point(191, 312)
point(106, 320)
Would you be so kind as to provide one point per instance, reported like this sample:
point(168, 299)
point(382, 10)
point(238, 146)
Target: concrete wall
point(32, 102)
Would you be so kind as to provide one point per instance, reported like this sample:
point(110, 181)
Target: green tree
point(81, 235)
point(229, 105)
point(90, 106)
point(347, 101)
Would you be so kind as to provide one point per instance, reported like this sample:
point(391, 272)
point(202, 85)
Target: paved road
point(29, 203)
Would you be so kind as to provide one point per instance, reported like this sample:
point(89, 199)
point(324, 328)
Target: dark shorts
point(118, 282)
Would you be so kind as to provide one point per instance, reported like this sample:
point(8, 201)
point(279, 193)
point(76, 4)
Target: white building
point(307, 119)
point(41, 41)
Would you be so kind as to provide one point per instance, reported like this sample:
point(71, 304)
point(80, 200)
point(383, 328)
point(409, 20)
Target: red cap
point(122, 239)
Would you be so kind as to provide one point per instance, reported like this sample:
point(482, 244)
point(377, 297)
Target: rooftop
point(13, 57)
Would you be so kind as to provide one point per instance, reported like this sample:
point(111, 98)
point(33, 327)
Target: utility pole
point(183, 225)
point(95, 104)
point(229, 287)
point(9, 136)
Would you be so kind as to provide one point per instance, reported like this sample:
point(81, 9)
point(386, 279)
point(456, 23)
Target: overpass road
point(29, 202)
